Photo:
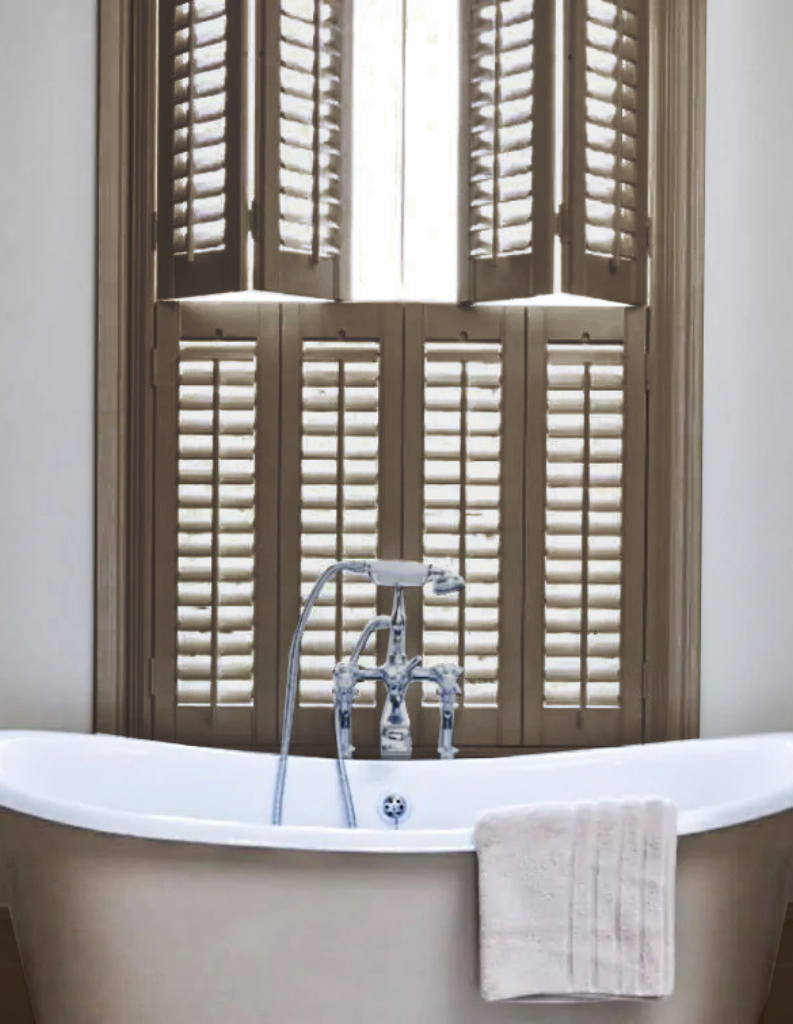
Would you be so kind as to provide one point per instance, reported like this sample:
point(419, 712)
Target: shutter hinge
point(649, 236)
point(154, 231)
point(253, 222)
point(153, 369)
point(562, 229)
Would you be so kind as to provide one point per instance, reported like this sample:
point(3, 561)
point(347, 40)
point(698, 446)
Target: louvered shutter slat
point(201, 206)
point(304, 91)
point(507, 152)
point(607, 132)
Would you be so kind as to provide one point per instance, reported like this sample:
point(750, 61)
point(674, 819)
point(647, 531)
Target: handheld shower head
point(413, 574)
point(444, 581)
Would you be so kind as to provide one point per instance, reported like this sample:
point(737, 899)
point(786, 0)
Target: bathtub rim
point(322, 839)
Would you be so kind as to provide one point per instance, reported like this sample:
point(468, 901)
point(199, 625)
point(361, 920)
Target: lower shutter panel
point(585, 528)
point(462, 451)
point(215, 531)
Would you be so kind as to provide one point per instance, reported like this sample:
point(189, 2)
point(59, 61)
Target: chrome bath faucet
point(397, 673)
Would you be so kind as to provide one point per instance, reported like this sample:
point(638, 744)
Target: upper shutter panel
point(202, 208)
point(303, 196)
point(506, 165)
point(607, 150)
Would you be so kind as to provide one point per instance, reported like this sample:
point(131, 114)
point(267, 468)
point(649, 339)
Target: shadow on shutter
point(341, 482)
point(202, 211)
point(506, 161)
point(606, 146)
point(463, 456)
point(303, 147)
point(212, 551)
point(585, 527)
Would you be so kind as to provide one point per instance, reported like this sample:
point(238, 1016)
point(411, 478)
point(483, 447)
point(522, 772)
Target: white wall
point(747, 656)
point(47, 183)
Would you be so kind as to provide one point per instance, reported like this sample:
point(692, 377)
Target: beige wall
point(47, 183)
point(747, 655)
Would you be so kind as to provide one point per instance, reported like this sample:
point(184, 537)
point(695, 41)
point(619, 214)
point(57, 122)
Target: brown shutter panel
point(339, 497)
point(215, 534)
point(463, 508)
point(507, 151)
point(201, 209)
point(606, 145)
point(303, 194)
point(585, 527)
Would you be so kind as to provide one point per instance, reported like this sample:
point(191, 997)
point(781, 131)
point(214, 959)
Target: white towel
point(576, 901)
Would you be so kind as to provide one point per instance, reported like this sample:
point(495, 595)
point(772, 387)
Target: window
point(507, 440)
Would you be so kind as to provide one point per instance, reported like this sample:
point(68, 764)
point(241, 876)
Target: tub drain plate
point(394, 808)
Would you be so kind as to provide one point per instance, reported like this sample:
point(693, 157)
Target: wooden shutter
point(202, 211)
point(605, 231)
point(340, 493)
point(303, 147)
point(506, 164)
point(463, 459)
point(585, 527)
point(216, 431)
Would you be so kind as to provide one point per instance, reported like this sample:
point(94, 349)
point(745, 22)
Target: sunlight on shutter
point(462, 509)
point(501, 119)
point(339, 477)
point(199, 127)
point(584, 525)
point(612, 52)
point(310, 127)
point(216, 482)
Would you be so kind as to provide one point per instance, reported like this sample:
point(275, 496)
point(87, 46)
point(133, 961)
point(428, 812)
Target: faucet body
point(397, 674)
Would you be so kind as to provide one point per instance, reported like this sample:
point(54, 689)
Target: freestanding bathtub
point(147, 886)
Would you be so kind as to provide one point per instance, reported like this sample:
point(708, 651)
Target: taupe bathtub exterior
point(181, 914)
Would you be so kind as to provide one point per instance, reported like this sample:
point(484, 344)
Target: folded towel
point(576, 901)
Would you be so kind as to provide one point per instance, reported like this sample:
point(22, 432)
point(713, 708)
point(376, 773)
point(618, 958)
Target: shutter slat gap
point(583, 683)
point(213, 674)
point(316, 186)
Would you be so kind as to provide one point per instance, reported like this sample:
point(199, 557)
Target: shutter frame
point(223, 269)
point(276, 269)
point(252, 724)
point(595, 275)
point(561, 726)
point(528, 274)
point(483, 726)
